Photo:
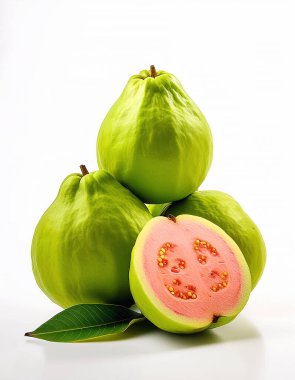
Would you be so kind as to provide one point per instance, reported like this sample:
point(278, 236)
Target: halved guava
point(187, 274)
point(222, 209)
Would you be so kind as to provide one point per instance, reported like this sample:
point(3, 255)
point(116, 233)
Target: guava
point(155, 140)
point(223, 210)
point(187, 274)
point(158, 209)
point(82, 244)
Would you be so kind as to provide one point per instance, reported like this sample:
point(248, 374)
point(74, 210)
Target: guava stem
point(84, 170)
point(172, 217)
point(215, 318)
point(153, 71)
point(28, 334)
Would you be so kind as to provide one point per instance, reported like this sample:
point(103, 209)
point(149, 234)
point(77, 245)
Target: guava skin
point(156, 311)
point(223, 210)
point(82, 244)
point(155, 140)
point(158, 209)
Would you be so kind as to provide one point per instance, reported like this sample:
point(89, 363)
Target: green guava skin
point(158, 209)
point(155, 140)
point(223, 210)
point(159, 314)
point(82, 244)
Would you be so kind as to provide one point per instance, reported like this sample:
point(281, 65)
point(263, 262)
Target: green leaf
point(86, 322)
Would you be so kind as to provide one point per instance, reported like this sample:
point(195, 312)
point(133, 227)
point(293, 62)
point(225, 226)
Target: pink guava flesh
point(192, 270)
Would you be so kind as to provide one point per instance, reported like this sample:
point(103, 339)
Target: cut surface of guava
point(222, 209)
point(187, 273)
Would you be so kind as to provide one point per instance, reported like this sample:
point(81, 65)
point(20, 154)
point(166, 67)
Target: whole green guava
point(155, 140)
point(82, 244)
point(223, 210)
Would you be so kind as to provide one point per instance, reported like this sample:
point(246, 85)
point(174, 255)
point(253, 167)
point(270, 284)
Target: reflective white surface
point(257, 345)
point(62, 65)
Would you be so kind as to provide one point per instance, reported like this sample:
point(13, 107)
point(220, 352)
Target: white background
point(63, 63)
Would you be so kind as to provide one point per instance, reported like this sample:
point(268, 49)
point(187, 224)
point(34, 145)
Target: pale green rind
point(82, 244)
point(223, 210)
point(155, 310)
point(155, 140)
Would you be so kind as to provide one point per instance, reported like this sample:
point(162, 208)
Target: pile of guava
point(138, 230)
